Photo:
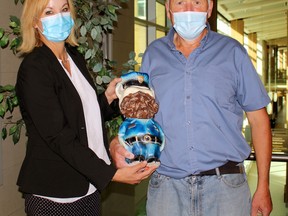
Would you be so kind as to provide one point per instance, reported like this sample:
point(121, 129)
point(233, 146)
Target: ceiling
point(267, 18)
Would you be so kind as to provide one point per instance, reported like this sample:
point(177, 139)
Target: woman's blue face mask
point(57, 28)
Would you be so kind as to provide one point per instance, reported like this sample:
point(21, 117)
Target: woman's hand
point(119, 153)
point(134, 174)
point(127, 173)
point(110, 91)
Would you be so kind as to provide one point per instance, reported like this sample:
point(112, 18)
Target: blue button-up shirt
point(201, 102)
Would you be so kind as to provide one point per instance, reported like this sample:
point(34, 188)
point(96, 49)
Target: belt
point(230, 167)
point(147, 138)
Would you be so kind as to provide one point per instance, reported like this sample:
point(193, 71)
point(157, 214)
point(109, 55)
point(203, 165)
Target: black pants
point(87, 206)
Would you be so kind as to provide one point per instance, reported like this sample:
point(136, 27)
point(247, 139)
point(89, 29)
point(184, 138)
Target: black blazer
point(58, 162)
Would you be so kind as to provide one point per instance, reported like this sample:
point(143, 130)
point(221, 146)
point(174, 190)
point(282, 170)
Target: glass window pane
point(140, 41)
point(223, 27)
point(160, 14)
point(160, 34)
point(140, 9)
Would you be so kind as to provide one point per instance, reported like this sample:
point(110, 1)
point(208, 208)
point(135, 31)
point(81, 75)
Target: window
point(160, 14)
point(150, 23)
point(223, 26)
point(140, 9)
point(140, 38)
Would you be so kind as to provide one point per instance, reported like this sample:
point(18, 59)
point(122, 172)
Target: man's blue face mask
point(57, 28)
point(189, 24)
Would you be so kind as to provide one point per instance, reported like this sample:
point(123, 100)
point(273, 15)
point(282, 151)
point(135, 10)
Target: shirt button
point(188, 97)
point(188, 122)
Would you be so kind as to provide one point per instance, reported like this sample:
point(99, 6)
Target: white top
point(92, 118)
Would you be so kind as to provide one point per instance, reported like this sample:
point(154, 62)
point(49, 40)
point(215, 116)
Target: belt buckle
point(241, 168)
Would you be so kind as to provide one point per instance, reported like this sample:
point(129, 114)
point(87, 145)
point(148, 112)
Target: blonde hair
point(32, 10)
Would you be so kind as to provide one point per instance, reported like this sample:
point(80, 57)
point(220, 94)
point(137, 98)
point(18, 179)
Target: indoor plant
point(96, 19)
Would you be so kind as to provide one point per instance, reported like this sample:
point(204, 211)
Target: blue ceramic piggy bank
point(143, 137)
point(139, 133)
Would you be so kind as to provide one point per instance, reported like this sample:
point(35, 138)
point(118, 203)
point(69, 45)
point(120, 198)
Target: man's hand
point(119, 153)
point(261, 203)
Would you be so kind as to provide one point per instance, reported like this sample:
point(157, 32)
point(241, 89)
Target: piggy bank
point(139, 133)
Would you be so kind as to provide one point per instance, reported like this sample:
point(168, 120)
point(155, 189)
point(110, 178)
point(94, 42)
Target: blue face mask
point(57, 27)
point(189, 24)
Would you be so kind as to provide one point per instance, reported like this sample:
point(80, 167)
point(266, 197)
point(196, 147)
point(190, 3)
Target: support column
point(213, 18)
point(237, 27)
point(252, 51)
point(287, 77)
point(273, 66)
point(286, 104)
point(151, 12)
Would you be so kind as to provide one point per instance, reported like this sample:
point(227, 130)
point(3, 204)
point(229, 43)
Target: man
point(203, 82)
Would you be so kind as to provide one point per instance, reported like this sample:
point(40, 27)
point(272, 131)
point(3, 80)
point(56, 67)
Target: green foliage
point(132, 62)
point(8, 101)
point(114, 124)
point(96, 19)
point(16, 1)
point(11, 37)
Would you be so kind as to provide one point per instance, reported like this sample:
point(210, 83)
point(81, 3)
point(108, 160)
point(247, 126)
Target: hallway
point(278, 169)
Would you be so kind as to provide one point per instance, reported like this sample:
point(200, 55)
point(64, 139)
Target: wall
point(11, 202)
point(123, 34)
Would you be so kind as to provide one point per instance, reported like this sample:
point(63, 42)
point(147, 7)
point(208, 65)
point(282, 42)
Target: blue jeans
point(216, 195)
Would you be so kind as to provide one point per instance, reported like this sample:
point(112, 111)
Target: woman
point(66, 164)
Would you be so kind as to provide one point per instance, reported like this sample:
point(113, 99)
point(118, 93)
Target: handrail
point(275, 157)
point(280, 156)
